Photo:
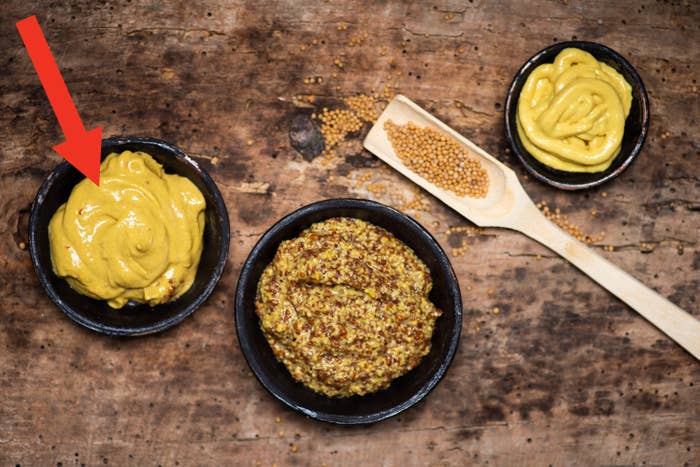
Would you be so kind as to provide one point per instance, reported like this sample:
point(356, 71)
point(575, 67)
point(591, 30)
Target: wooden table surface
point(565, 374)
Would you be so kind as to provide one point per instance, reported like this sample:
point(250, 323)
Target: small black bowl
point(404, 391)
point(134, 318)
point(636, 125)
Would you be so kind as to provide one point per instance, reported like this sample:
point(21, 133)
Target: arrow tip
point(83, 151)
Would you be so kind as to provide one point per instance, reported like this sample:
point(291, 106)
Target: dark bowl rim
point(42, 274)
point(512, 132)
point(452, 285)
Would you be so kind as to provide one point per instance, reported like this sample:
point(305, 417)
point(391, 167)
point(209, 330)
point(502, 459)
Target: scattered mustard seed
point(336, 124)
point(562, 220)
point(460, 250)
point(365, 107)
point(358, 39)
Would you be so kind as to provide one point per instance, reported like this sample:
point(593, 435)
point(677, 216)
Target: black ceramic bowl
point(404, 391)
point(636, 125)
point(134, 318)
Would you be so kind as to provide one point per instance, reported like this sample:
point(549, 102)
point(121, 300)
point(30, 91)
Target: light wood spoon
point(507, 205)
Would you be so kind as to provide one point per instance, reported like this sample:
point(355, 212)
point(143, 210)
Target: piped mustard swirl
point(571, 113)
point(138, 236)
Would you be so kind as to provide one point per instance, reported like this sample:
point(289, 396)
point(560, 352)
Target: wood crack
point(428, 34)
point(531, 255)
point(644, 246)
point(689, 204)
point(462, 107)
point(429, 429)
point(183, 31)
point(246, 235)
point(454, 12)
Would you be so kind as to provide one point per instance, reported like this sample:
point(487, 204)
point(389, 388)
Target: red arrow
point(81, 148)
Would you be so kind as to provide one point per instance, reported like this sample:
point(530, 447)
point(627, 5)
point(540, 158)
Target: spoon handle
point(676, 323)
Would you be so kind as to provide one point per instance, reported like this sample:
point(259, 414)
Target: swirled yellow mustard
point(571, 113)
point(138, 236)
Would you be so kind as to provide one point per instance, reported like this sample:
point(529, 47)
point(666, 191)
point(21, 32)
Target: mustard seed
point(439, 159)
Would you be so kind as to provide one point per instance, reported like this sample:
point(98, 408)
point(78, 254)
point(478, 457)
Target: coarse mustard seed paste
point(345, 307)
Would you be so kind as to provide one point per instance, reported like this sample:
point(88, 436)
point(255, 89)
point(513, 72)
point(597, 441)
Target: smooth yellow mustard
point(571, 113)
point(138, 236)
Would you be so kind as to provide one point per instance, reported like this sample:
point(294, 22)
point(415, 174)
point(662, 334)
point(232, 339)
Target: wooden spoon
point(507, 205)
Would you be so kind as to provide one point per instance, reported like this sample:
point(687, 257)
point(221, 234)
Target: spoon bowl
point(499, 201)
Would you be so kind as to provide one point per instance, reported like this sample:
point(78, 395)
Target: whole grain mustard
point(571, 113)
point(138, 236)
point(345, 307)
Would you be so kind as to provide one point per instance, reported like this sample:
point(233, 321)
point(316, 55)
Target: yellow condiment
point(571, 113)
point(138, 236)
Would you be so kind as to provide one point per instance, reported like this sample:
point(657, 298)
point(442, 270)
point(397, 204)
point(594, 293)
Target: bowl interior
point(404, 391)
point(636, 125)
point(133, 318)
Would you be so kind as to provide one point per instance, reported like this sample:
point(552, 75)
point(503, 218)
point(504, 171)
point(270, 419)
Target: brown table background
point(565, 374)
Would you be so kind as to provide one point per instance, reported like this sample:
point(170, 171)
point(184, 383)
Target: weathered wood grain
point(564, 375)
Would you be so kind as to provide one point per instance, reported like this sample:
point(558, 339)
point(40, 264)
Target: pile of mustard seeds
point(439, 159)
